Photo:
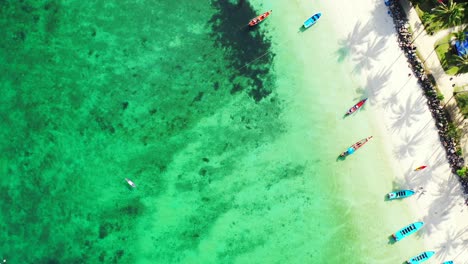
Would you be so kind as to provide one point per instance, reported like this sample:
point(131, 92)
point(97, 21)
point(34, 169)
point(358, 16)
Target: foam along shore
point(400, 110)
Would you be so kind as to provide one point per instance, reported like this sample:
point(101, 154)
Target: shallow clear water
point(230, 134)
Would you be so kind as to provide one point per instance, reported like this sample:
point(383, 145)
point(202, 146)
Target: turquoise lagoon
point(231, 135)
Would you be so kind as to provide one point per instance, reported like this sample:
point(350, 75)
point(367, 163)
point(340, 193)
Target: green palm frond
point(450, 14)
point(462, 64)
point(461, 34)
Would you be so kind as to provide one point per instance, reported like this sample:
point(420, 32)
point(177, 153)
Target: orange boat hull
point(259, 19)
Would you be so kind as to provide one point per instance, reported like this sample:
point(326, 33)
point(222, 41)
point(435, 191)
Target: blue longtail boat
point(448, 262)
point(400, 194)
point(312, 20)
point(421, 257)
point(407, 230)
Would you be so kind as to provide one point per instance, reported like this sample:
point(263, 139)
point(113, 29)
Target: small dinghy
point(130, 183)
point(421, 257)
point(400, 194)
point(312, 20)
point(420, 168)
point(407, 230)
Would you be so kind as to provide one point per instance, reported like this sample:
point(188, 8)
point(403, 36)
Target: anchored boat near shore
point(312, 20)
point(421, 257)
point(356, 106)
point(355, 147)
point(407, 230)
point(400, 194)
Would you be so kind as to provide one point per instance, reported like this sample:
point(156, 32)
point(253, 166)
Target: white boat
point(130, 183)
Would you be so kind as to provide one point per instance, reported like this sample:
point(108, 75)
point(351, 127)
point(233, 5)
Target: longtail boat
point(421, 257)
point(400, 194)
point(356, 107)
point(420, 168)
point(312, 20)
point(259, 19)
point(355, 147)
point(130, 183)
point(448, 262)
point(407, 230)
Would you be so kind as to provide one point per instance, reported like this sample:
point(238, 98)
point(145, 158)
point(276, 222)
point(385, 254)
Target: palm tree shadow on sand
point(453, 240)
point(420, 178)
point(390, 101)
point(374, 84)
point(354, 39)
point(366, 58)
point(398, 185)
point(380, 9)
point(439, 208)
point(439, 160)
point(406, 115)
point(417, 180)
point(409, 146)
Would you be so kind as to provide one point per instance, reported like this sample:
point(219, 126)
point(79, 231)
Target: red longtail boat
point(356, 107)
point(259, 19)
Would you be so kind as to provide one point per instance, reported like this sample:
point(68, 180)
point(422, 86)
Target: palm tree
point(462, 63)
point(461, 34)
point(448, 15)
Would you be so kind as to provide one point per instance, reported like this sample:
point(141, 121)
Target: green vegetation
point(462, 102)
point(450, 61)
point(462, 63)
point(440, 96)
point(446, 16)
point(453, 132)
point(436, 16)
point(462, 172)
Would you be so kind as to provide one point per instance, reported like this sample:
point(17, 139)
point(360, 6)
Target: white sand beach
point(400, 107)
point(401, 114)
